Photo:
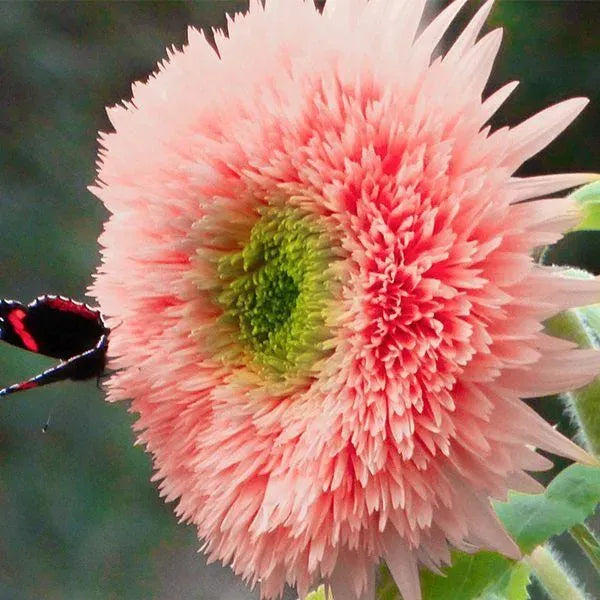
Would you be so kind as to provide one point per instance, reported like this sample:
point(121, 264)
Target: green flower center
point(275, 290)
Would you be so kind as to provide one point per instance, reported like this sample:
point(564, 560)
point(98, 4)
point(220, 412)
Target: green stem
point(558, 585)
point(582, 326)
point(587, 542)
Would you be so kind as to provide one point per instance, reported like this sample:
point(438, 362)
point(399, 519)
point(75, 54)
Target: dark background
point(79, 518)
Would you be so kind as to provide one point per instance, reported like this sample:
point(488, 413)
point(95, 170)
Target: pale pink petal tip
point(328, 311)
point(534, 187)
point(469, 36)
point(433, 33)
point(538, 131)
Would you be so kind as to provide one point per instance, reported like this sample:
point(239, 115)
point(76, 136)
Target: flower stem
point(587, 542)
point(555, 581)
point(582, 326)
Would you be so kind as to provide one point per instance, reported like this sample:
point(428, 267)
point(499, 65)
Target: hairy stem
point(555, 581)
point(587, 542)
point(582, 326)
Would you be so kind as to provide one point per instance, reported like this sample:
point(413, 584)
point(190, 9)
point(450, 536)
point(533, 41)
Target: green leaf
point(516, 588)
point(481, 576)
point(588, 198)
point(386, 586)
point(569, 499)
point(318, 594)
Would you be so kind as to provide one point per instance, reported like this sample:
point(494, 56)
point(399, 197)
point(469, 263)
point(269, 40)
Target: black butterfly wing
point(90, 363)
point(13, 328)
point(51, 325)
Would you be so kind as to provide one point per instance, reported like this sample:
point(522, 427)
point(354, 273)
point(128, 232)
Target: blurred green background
point(79, 518)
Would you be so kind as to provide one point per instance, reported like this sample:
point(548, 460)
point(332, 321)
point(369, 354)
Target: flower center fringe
point(275, 290)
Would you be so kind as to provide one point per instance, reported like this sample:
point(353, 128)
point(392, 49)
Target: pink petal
point(494, 101)
point(402, 565)
point(538, 131)
point(469, 35)
point(533, 187)
point(476, 65)
point(431, 36)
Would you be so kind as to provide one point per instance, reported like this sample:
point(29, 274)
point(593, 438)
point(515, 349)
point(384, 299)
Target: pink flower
point(321, 264)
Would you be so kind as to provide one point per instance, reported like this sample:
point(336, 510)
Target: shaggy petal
point(320, 267)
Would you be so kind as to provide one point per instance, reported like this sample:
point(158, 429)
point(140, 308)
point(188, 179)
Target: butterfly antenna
point(46, 424)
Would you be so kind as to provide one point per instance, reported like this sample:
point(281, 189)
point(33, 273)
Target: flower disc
point(273, 292)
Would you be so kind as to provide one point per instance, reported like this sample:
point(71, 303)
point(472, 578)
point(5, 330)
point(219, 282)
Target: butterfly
point(58, 327)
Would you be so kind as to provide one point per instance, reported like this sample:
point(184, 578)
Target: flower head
point(321, 265)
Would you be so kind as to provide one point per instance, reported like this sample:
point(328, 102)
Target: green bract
point(276, 288)
point(588, 199)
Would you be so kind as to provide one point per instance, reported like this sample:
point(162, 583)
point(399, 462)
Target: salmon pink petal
point(402, 565)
